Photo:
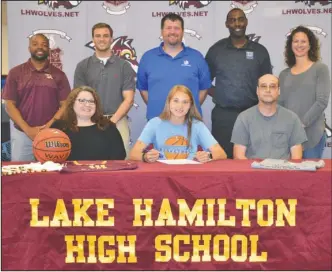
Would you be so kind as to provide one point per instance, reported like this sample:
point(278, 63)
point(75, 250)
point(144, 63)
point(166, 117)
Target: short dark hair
point(40, 35)
point(173, 17)
point(235, 9)
point(102, 25)
point(313, 54)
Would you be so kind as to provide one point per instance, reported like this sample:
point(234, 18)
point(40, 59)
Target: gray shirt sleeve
point(323, 90)
point(128, 78)
point(79, 78)
point(298, 135)
point(240, 134)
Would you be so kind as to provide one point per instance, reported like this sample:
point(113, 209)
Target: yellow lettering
point(176, 254)
point(101, 221)
point(140, 212)
point(80, 212)
point(130, 248)
point(282, 212)
point(216, 247)
point(253, 255)
point(210, 212)
point(34, 222)
point(79, 249)
point(92, 248)
point(163, 248)
point(260, 212)
point(60, 217)
point(222, 221)
point(245, 205)
point(244, 245)
point(205, 247)
point(191, 215)
point(106, 256)
point(165, 217)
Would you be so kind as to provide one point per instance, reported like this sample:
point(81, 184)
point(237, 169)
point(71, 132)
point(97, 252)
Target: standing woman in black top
point(93, 136)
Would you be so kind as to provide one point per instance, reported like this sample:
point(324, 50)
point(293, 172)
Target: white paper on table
point(181, 161)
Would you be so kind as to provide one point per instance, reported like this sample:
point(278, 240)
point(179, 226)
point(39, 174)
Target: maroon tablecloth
point(305, 246)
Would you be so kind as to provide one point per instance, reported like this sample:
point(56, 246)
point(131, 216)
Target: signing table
point(215, 216)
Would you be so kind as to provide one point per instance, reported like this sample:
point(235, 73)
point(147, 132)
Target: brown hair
point(192, 113)
point(172, 17)
point(102, 25)
point(69, 118)
point(313, 53)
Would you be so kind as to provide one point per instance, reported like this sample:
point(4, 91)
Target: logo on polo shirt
point(186, 63)
point(311, 8)
point(116, 7)
point(55, 51)
point(246, 6)
point(315, 29)
point(122, 47)
point(48, 76)
point(57, 4)
point(249, 55)
point(187, 4)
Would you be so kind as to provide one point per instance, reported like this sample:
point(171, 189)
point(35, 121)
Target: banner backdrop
point(136, 26)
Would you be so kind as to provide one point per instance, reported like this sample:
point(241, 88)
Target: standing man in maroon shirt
point(34, 94)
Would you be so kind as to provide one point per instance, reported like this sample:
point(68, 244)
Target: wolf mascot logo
point(186, 4)
point(57, 4)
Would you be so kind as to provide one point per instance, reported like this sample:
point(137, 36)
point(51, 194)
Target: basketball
point(173, 152)
point(51, 144)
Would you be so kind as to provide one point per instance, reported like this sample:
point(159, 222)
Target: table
point(306, 245)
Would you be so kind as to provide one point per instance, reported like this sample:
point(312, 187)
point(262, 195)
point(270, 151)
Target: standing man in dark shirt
point(34, 94)
point(236, 63)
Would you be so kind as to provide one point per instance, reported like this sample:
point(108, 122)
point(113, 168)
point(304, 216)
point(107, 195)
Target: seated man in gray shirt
point(268, 130)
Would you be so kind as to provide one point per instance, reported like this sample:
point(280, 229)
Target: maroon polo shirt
point(37, 93)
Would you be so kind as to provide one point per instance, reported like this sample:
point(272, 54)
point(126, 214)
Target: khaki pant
point(123, 127)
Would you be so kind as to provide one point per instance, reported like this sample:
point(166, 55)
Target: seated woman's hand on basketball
point(151, 156)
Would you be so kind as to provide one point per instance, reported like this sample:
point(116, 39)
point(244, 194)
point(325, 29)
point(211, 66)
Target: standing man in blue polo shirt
point(172, 63)
point(236, 63)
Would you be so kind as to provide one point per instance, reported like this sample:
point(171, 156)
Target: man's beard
point(40, 58)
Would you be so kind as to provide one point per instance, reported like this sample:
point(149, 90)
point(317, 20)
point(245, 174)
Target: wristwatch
point(210, 156)
point(143, 157)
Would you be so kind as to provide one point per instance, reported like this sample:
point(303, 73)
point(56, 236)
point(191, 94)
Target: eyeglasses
point(83, 101)
point(267, 87)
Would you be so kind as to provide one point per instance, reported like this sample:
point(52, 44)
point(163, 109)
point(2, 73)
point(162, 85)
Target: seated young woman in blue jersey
point(177, 133)
point(92, 136)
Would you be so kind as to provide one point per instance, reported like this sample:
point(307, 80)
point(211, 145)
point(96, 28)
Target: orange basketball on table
point(51, 144)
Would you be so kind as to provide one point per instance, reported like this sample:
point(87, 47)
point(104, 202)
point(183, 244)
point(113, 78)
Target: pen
point(146, 150)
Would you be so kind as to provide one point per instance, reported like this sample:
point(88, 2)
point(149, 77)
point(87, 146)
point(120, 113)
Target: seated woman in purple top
point(305, 87)
point(93, 136)
point(177, 132)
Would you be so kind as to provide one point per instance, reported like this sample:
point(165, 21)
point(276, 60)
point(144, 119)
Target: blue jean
point(21, 145)
point(315, 152)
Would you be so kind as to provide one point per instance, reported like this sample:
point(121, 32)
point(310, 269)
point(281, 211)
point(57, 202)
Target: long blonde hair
point(192, 113)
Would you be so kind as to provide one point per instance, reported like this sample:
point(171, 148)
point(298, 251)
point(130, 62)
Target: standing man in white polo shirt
point(112, 78)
